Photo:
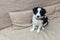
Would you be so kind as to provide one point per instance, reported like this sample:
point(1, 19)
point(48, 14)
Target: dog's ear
point(43, 11)
point(35, 10)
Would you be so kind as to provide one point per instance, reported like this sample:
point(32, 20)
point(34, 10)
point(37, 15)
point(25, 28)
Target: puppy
point(39, 19)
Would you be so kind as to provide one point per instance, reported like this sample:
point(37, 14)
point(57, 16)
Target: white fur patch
point(39, 9)
point(36, 23)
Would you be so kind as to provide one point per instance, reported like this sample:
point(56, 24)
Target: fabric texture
point(17, 5)
point(21, 19)
point(53, 11)
point(51, 32)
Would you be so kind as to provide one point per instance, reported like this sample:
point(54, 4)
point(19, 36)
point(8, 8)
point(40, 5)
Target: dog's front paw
point(38, 30)
point(32, 30)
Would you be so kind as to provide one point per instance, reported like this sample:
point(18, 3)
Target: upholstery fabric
point(51, 32)
point(21, 19)
point(17, 5)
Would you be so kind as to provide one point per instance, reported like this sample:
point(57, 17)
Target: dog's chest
point(37, 22)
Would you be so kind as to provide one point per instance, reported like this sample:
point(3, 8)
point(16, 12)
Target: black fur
point(45, 20)
point(35, 10)
point(42, 12)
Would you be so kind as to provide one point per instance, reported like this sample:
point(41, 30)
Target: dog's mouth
point(38, 18)
point(41, 18)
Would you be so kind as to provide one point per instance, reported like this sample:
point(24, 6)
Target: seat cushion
point(51, 32)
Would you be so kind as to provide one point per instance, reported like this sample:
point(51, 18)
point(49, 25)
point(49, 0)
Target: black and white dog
point(39, 19)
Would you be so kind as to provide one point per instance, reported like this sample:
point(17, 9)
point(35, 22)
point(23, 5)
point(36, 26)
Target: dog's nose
point(38, 16)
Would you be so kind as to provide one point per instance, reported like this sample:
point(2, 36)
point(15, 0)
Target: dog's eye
point(42, 12)
point(35, 12)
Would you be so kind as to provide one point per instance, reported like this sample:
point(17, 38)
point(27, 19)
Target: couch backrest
point(14, 5)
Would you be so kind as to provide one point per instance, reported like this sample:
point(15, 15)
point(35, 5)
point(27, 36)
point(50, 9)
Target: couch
point(52, 32)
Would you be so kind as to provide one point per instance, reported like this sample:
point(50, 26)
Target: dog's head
point(39, 12)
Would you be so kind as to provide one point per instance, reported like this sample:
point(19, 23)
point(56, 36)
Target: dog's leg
point(38, 30)
point(45, 25)
point(43, 28)
point(33, 28)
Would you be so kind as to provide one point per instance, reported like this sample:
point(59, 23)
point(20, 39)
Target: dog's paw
point(38, 30)
point(32, 30)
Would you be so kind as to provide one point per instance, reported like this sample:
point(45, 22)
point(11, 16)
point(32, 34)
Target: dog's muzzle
point(39, 18)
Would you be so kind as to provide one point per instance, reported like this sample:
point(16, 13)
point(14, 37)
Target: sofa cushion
point(53, 11)
point(51, 32)
point(21, 19)
point(58, 7)
point(29, 4)
point(13, 5)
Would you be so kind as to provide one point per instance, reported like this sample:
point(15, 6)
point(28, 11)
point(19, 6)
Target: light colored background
point(17, 5)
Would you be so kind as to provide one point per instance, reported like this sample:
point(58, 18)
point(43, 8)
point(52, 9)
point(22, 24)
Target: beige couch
point(52, 32)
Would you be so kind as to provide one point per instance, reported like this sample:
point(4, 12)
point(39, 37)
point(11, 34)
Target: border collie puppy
point(39, 19)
